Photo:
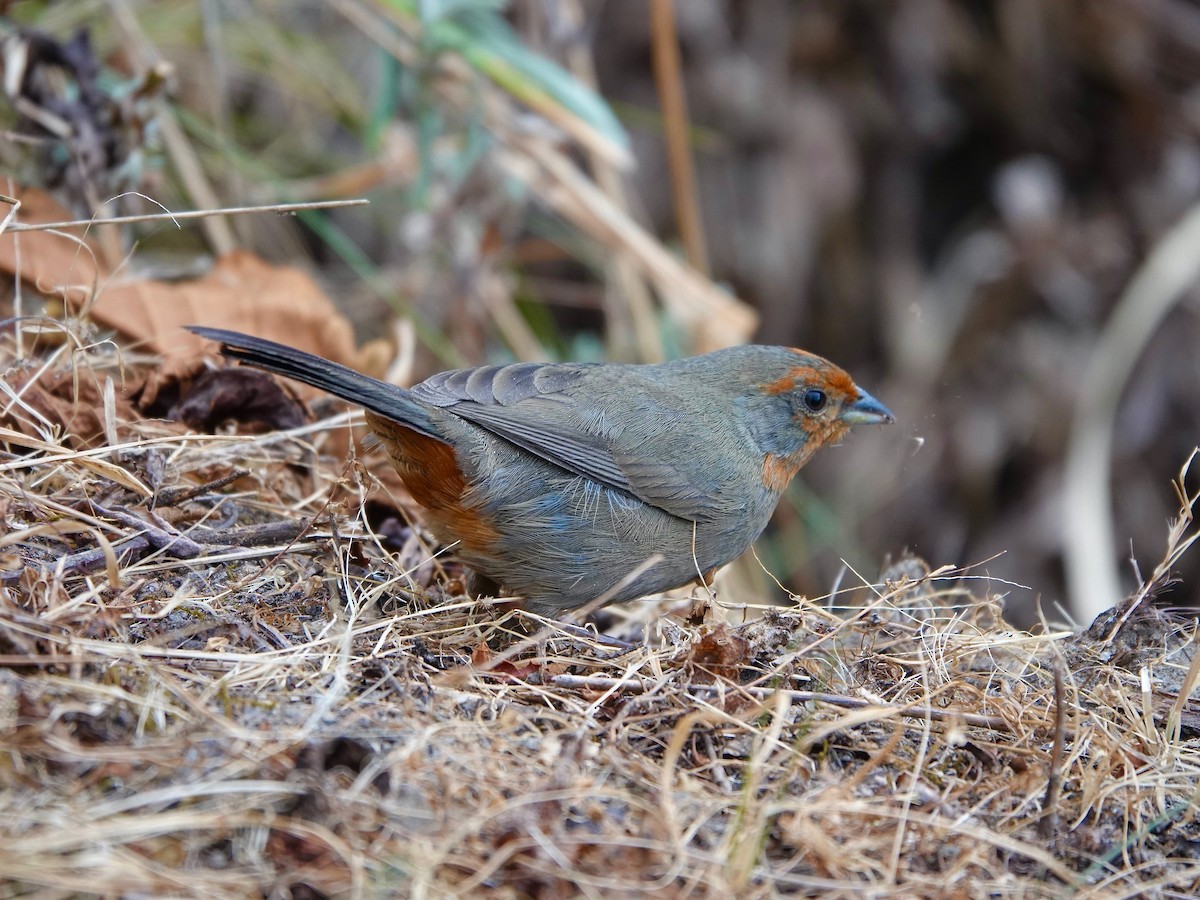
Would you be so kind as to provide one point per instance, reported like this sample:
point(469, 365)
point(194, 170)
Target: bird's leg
point(703, 600)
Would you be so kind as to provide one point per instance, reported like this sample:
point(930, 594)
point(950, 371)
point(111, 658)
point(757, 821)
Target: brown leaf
point(247, 396)
point(481, 654)
point(721, 651)
point(514, 672)
point(241, 292)
point(67, 400)
point(50, 262)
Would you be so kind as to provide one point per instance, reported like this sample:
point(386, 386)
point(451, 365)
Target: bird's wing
point(549, 411)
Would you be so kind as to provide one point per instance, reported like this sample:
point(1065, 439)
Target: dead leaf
point(241, 292)
point(720, 652)
point(244, 395)
point(481, 654)
point(513, 672)
point(102, 467)
point(54, 264)
point(71, 402)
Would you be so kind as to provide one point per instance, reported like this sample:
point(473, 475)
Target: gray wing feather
point(525, 404)
point(555, 438)
point(498, 385)
point(532, 406)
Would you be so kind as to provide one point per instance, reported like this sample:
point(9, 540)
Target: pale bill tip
point(866, 410)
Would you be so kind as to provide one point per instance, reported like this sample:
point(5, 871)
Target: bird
point(578, 483)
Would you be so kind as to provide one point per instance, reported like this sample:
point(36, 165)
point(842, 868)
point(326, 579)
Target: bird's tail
point(387, 400)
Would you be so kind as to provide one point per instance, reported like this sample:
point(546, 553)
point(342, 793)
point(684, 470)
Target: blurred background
point(949, 199)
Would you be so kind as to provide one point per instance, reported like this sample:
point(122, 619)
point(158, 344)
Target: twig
point(667, 76)
point(172, 496)
point(255, 535)
point(84, 561)
point(1049, 823)
point(189, 214)
point(181, 546)
point(159, 539)
point(600, 682)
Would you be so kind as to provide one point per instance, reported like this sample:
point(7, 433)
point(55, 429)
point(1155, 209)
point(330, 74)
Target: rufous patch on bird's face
point(778, 471)
point(830, 378)
point(823, 432)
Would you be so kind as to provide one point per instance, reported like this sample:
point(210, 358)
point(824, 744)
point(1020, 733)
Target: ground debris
point(235, 683)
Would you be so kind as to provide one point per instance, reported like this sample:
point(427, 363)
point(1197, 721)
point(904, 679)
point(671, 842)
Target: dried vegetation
point(231, 664)
point(219, 677)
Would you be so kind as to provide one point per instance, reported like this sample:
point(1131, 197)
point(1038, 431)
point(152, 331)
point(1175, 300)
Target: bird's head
point(799, 402)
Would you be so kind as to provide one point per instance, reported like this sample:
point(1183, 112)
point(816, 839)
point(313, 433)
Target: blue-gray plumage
point(557, 480)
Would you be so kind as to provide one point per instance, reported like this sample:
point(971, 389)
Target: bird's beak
point(866, 410)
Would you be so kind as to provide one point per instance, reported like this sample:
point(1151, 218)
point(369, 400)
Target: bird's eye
point(815, 400)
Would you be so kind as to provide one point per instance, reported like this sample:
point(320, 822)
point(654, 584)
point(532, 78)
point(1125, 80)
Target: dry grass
point(232, 688)
point(217, 677)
